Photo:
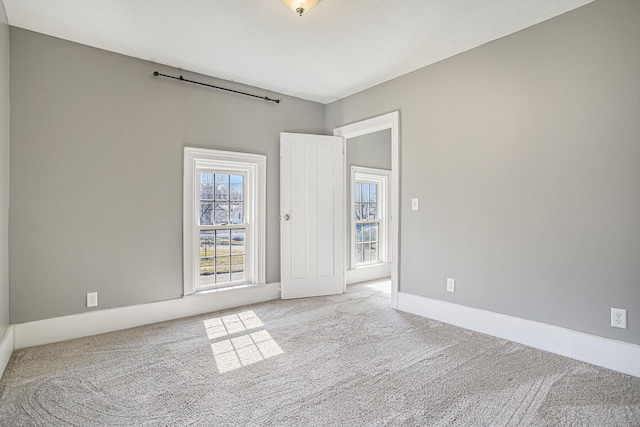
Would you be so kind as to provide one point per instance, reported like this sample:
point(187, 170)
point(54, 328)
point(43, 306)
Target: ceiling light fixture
point(300, 6)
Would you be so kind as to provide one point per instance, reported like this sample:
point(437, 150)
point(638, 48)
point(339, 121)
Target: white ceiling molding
point(339, 48)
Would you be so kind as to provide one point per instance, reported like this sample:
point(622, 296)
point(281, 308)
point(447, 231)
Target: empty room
point(320, 212)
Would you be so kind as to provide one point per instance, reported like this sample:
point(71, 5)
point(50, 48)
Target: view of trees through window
point(221, 199)
point(367, 222)
point(222, 230)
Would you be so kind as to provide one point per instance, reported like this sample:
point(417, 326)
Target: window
point(367, 222)
point(369, 216)
point(224, 219)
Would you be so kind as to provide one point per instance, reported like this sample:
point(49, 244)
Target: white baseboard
point(102, 321)
point(616, 355)
point(366, 274)
point(6, 348)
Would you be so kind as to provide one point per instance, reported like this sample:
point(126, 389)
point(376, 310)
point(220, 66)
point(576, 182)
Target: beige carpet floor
point(344, 360)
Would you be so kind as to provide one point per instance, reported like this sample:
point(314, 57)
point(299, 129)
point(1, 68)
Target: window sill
point(375, 264)
point(231, 287)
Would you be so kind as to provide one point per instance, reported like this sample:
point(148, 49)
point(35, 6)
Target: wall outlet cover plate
point(619, 318)
point(92, 299)
point(451, 285)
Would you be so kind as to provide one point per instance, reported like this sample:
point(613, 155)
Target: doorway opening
point(372, 143)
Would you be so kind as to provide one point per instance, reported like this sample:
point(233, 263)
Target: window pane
point(359, 253)
point(237, 263)
point(237, 255)
point(235, 213)
point(358, 211)
point(374, 251)
point(358, 233)
point(358, 193)
point(207, 260)
point(366, 233)
point(223, 237)
point(373, 192)
point(365, 192)
point(222, 187)
point(237, 268)
point(237, 242)
point(365, 211)
point(222, 265)
point(373, 213)
point(223, 259)
point(207, 244)
point(367, 252)
point(221, 213)
point(206, 213)
point(207, 278)
point(374, 232)
point(206, 186)
point(236, 187)
point(207, 265)
point(222, 269)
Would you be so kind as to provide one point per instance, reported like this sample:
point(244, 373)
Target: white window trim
point(382, 178)
point(253, 166)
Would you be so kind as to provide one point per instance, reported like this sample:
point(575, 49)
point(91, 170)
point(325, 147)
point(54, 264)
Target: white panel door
point(311, 215)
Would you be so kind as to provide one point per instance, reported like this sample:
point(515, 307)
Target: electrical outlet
point(92, 299)
point(619, 318)
point(451, 285)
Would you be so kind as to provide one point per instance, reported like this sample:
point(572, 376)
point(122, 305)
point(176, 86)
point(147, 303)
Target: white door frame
point(375, 124)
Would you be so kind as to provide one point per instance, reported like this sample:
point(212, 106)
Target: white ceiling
point(338, 48)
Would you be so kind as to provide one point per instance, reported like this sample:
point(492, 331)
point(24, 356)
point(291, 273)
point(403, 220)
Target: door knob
point(286, 217)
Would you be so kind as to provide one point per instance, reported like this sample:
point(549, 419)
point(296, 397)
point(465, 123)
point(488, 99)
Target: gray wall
point(373, 151)
point(4, 172)
point(96, 172)
point(525, 154)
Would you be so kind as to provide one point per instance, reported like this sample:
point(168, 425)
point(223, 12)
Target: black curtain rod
point(266, 98)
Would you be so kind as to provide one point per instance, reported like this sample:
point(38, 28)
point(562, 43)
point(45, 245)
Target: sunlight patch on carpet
point(228, 325)
point(243, 349)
